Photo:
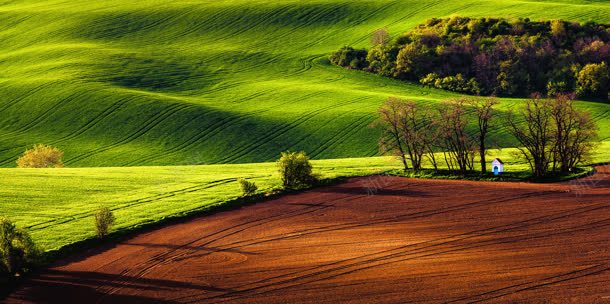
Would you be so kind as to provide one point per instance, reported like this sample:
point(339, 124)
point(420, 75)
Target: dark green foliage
point(492, 56)
point(455, 83)
point(593, 81)
point(295, 170)
point(349, 57)
point(248, 188)
point(18, 253)
point(104, 219)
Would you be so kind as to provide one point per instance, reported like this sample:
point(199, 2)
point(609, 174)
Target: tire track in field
point(34, 123)
point(206, 133)
point(342, 135)
point(439, 246)
point(44, 115)
point(280, 130)
point(360, 224)
point(24, 96)
point(369, 264)
point(220, 126)
point(148, 125)
point(84, 128)
point(132, 203)
point(411, 13)
point(349, 128)
point(95, 121)
point(169, 256)
point(551, 280)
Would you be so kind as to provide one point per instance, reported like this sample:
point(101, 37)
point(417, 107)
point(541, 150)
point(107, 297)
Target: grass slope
point(126, 83)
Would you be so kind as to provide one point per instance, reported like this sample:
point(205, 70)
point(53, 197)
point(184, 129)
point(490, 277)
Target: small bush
point(349, 57)
point(41, 156)
point(247, 188)
point(295, 170)
point(104, 219)
point(18, 253)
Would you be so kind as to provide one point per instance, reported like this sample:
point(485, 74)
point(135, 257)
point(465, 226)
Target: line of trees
point(492, 57)
point(554, 136)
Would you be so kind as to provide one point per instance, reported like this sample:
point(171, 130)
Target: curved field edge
point(202, 82)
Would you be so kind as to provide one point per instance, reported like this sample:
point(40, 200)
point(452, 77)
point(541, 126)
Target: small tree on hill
point(104, 219)
point(248, 188)
point(380, 37)
point(295, 170)
point(41, 156)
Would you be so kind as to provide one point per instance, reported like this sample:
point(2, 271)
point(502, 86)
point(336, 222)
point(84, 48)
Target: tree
point(492, 56)
point(41, 156)
point(380, 37)
point(533, 129)
point(593, 81)
point(295, 170)
point(484, 111)
point(574, 134)
point(390, 118)
point(248, 188)
point(408, 131)
point(413, 61)
point(415, 127)
point(104, 220)
point(382, 60)
point(17, 250)
point(456, 140)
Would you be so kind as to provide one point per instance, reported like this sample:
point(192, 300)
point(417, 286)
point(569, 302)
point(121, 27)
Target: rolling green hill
point(129, 83)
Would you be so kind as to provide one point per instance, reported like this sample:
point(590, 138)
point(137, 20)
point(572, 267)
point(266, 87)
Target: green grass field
point(123, 83)
point(149, 83)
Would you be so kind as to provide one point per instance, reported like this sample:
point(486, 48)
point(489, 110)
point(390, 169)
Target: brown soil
point(409, 241)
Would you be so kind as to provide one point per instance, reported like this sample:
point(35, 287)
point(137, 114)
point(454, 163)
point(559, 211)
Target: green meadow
point(161, 105)
point(141, 83)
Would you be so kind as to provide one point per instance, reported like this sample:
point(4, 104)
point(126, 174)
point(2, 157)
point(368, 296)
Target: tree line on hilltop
point(488, 56)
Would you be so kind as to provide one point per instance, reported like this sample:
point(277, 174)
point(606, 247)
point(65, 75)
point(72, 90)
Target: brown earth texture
point(368, 240)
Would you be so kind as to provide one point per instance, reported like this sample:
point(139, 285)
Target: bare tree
point(380, 37)
point(534, 130)
point(390, 118)
point(414, 131)
point(484, 111)
point(432, 139)
point(459, 145)
point(574, 134)
point(407, 131)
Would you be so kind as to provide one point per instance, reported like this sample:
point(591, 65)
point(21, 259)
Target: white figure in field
point(497, 166)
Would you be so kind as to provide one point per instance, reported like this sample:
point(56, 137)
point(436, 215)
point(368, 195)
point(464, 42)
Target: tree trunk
point(483, 161)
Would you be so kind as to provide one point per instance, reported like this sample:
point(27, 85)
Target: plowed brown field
point(369, 240)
